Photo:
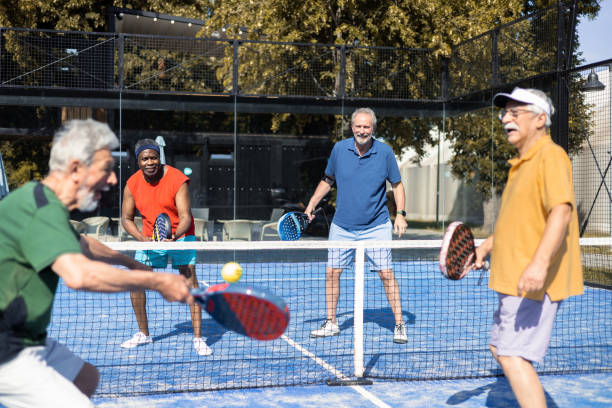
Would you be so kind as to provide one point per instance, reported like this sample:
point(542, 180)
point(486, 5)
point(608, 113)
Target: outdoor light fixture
point(593, 83)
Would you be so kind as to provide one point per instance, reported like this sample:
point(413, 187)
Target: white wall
point(587, 178)
point(457, 201)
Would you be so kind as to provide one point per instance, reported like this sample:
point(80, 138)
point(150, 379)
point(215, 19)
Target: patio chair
point(237, 230)
point(97, 227)
point(201, 229)
point(270, 230)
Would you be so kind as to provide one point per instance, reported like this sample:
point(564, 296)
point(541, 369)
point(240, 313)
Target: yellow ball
point(231, 272)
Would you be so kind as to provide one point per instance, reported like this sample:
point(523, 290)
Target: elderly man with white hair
point(535, 253)
point(37, 247)
point(360, 168)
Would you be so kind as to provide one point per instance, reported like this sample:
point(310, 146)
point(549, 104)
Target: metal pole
point(358, 312)
point(438, 177)
point(610, 123)
point(235, 91)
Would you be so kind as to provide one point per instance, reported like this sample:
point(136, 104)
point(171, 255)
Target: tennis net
point(447, 322)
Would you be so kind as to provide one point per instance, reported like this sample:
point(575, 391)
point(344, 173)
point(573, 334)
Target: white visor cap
point(522, 96)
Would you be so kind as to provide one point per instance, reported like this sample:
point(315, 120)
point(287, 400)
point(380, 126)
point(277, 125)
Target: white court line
point(366, 394)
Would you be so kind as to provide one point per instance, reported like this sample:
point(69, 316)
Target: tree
point(480, 151)
point(88, 15)
point(480, 148)
point(437, 25)
point(26, 159)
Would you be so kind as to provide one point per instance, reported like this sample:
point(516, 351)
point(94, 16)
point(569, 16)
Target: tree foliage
point(438, 25)
point(481, 150)
point(24, 160)
point(88, 15)
point(433, 24)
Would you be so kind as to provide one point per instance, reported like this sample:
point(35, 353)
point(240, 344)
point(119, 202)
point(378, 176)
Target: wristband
point(401, 212)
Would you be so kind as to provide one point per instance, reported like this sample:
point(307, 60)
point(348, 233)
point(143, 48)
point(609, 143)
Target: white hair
point(364, 110)
point(537, 110)
point(80, 140)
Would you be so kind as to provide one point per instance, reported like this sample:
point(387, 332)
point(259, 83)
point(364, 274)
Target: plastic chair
point(79, 226)
point(201, 213)
point(123, 235)
point(272, 226)
point(201, 229)
point(277, 213)
point(237, 230)
point(97, 227)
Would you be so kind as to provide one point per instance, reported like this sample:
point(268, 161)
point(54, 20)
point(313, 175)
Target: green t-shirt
point(34, 231)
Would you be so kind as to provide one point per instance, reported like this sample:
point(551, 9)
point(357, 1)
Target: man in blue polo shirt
point(361, 166)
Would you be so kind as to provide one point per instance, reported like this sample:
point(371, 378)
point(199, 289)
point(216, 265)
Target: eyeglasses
point(513, 112)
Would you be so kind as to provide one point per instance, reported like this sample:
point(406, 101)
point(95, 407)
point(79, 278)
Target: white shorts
point(379, 258)
point(42, 376)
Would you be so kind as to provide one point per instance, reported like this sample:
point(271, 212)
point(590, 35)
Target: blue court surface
point(447, 324)
point(592, 390)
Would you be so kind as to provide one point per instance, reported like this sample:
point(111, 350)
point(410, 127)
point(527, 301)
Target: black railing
point(112, 62)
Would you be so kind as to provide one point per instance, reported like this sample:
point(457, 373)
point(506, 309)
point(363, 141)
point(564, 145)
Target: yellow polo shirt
point(537, 182)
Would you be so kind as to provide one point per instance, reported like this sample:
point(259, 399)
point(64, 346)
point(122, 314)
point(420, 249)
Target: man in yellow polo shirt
point(535, 252)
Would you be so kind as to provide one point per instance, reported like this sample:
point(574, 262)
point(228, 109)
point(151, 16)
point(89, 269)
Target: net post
point(358, 312)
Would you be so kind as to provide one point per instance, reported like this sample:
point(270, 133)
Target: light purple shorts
point(522, 327)
point(379, 258)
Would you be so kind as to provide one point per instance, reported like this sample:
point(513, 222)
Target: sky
point(596, 35)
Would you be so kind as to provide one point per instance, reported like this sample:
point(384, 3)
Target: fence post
point(1, 51)
point(494, 59)
point(342, 85)
point(445, 80)
point(560, 132)
point(120, 61)
point(235, 89)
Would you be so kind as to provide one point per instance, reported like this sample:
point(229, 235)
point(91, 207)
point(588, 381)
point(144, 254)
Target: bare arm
point(321, 191)
point(81, 273)
point(128, 210)
point(400, 224)
point(97, 251)
point(183, 206)
point(534, 275)
point(482, 251)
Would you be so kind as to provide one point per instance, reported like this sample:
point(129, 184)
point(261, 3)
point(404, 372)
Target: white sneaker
point(201, 347)
point(136, 340)
point(399, 334)
point(327, 329)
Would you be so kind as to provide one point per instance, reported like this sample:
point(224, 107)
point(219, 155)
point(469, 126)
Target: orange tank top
point(153, 199)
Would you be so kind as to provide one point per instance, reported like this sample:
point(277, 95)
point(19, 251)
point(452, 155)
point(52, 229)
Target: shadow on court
point(211, 331)
point(383, 317)
point(499, 395)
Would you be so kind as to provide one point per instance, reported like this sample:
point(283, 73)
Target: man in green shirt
point(37, 247)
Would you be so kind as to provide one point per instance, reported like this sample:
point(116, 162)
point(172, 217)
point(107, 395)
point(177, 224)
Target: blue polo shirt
point(361, 182)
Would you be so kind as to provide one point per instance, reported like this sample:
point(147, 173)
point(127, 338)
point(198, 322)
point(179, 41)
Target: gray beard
point(363, 143)
point(87, 203)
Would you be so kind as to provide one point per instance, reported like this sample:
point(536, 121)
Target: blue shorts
point(379, 258)
point(522, 327)
point(159, 258)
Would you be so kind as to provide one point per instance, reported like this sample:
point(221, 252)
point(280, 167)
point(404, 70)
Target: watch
point(402, 212)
